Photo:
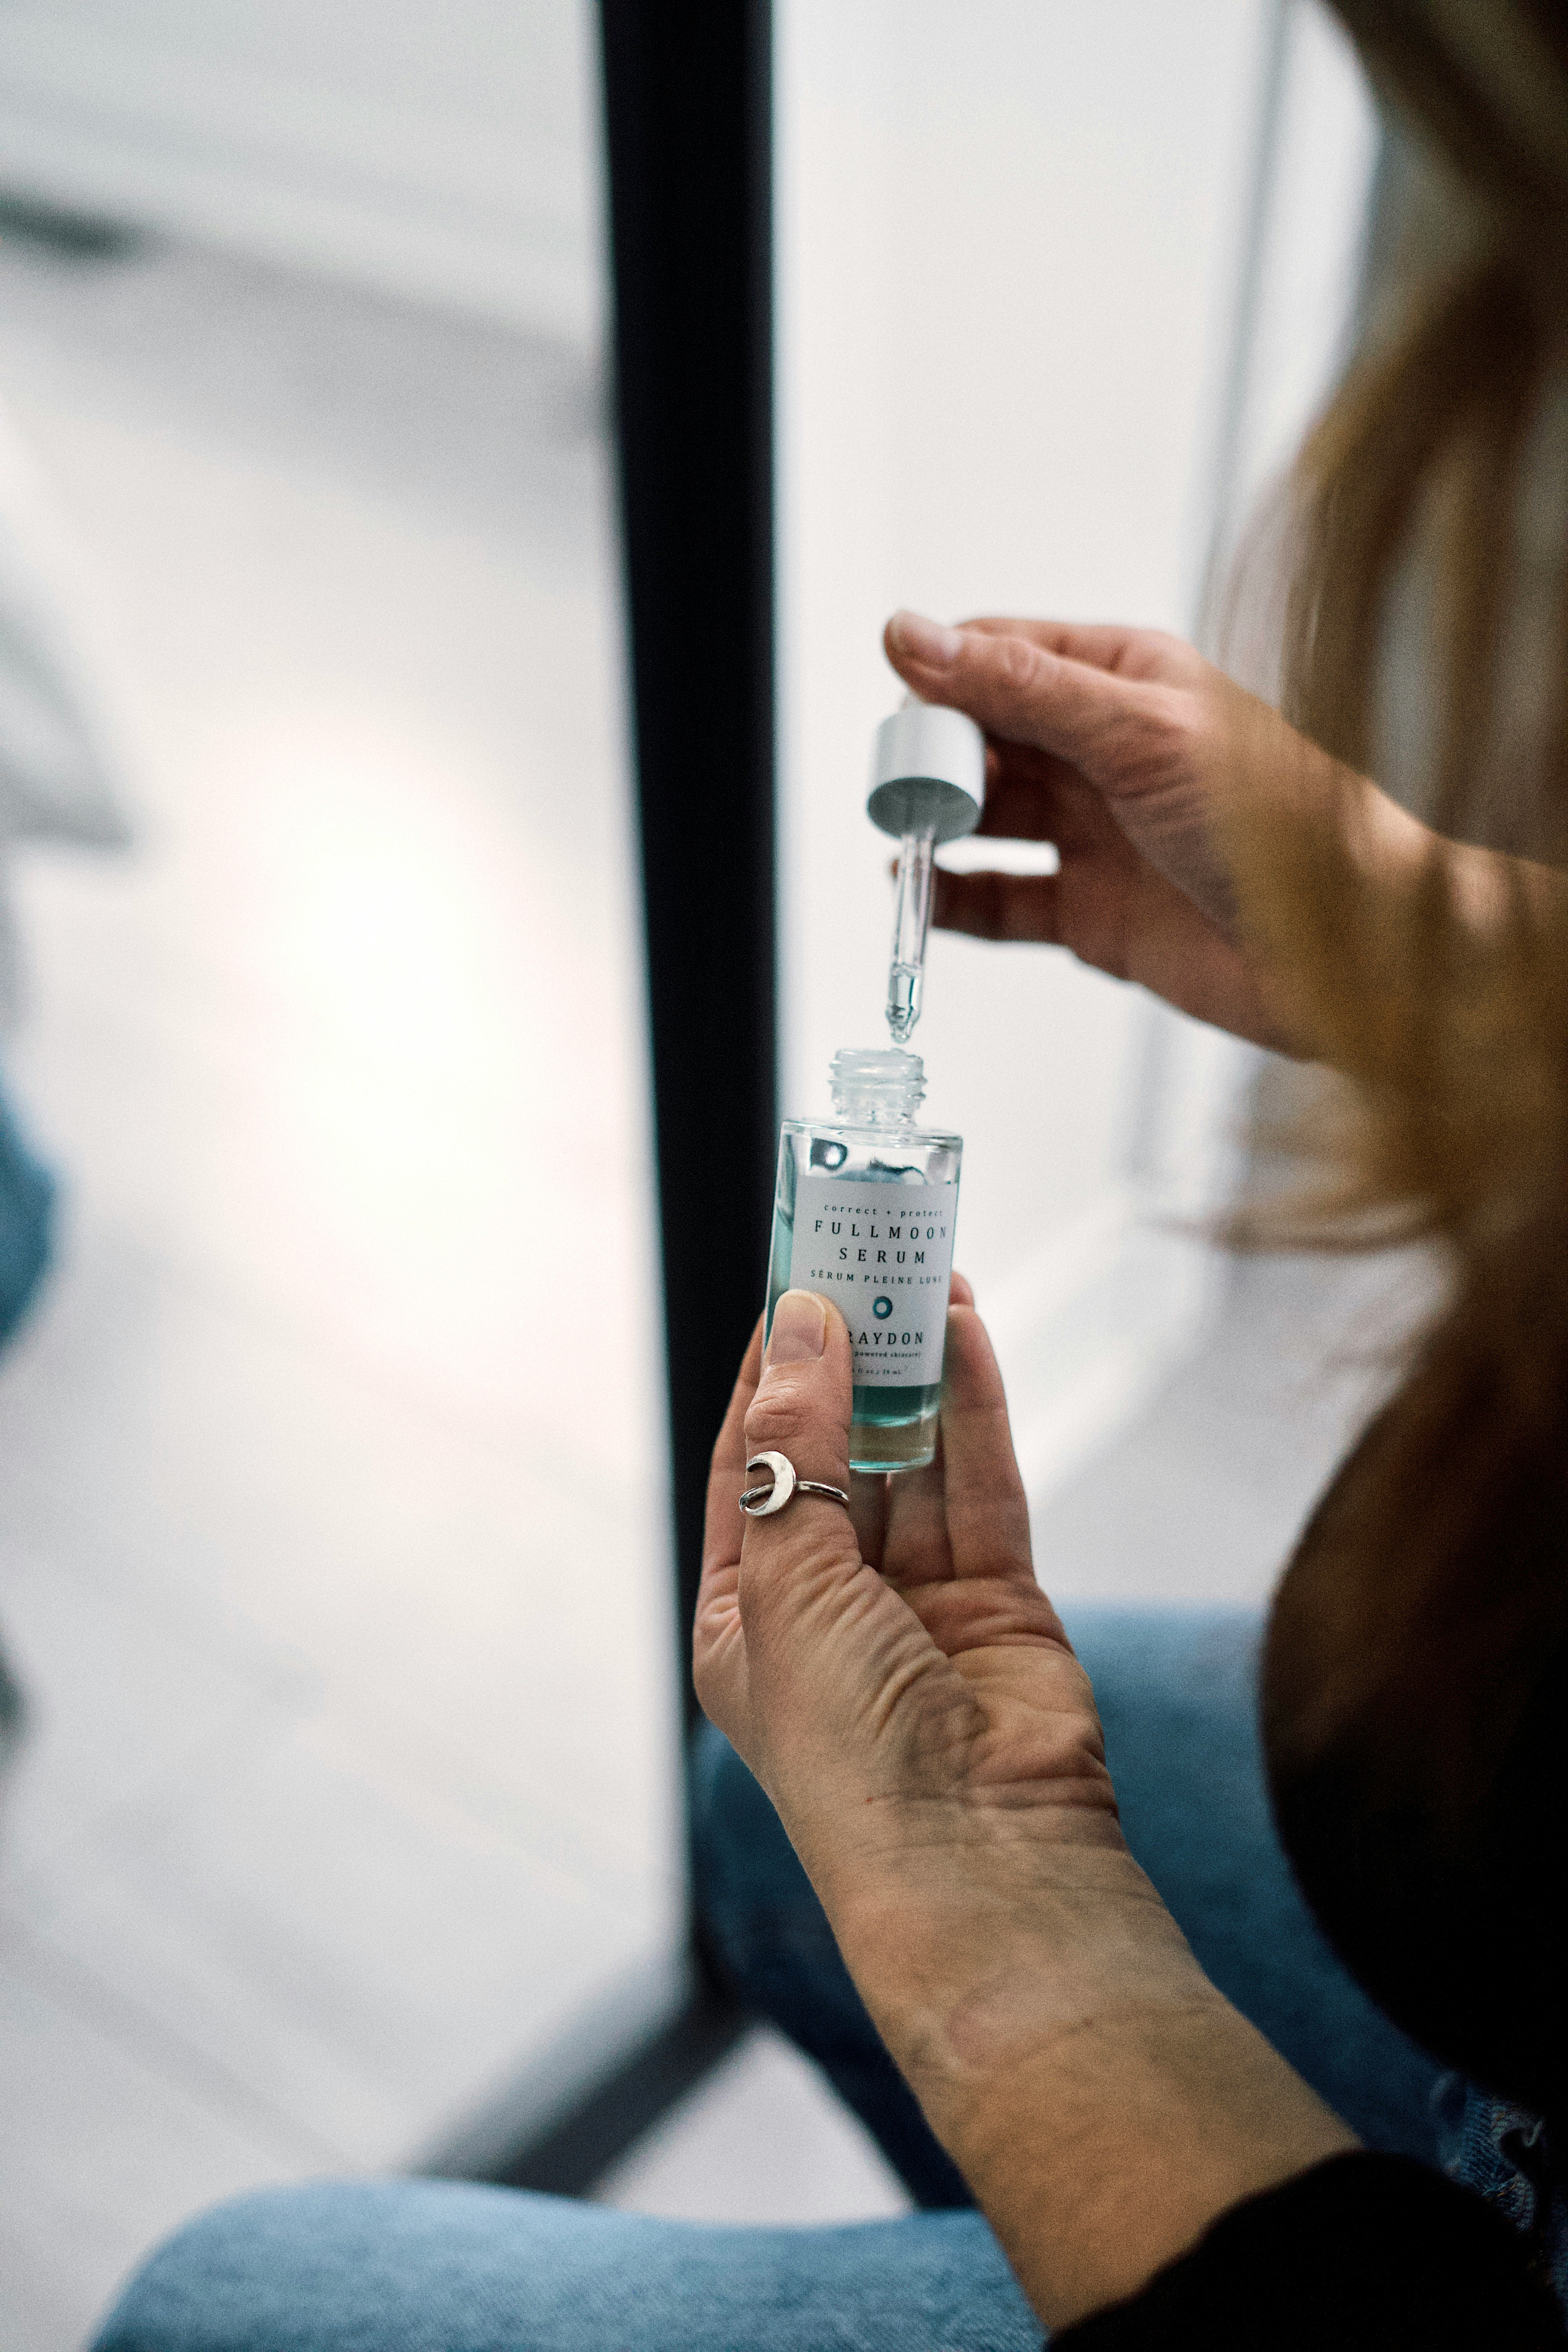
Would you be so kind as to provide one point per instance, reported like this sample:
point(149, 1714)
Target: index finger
point(987, 1510)
point(1116, 646)
point(1018, 687)
point(915, 1548)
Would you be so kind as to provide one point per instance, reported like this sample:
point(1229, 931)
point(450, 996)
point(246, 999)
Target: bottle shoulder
point(871, 1134)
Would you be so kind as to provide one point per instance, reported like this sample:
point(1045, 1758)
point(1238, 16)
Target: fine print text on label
point(883, 1253)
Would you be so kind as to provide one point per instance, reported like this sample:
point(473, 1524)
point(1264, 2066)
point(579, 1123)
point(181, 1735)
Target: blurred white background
point(332, 1547)
point(448, 153)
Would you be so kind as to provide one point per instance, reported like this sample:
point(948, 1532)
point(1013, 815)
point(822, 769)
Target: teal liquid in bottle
point(863, 1214)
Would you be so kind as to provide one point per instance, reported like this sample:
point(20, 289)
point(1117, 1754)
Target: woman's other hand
point(1124, 749)
point(906, 1694)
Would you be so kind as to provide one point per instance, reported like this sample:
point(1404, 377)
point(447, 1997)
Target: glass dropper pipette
point(912, 922)
point(928, 786)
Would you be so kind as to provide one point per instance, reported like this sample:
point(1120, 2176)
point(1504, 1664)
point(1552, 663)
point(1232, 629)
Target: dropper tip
point(903, 1004)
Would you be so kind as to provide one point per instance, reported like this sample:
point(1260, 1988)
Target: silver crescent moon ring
point(760, 1502)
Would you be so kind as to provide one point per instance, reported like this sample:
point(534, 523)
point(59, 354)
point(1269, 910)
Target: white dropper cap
point(927, 766)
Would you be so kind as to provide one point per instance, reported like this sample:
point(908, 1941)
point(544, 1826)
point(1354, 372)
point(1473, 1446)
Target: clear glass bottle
point(865, 1213)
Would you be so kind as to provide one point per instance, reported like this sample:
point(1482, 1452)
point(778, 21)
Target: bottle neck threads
point(876, 1086)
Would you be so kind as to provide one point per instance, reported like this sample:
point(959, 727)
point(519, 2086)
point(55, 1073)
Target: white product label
point(883, 1253)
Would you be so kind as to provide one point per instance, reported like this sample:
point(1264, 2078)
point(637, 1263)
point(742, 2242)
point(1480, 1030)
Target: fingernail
point(800, 1329)
point(925, 641)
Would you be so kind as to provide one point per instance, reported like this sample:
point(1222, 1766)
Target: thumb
point(801, 1409)
point(1015, 689)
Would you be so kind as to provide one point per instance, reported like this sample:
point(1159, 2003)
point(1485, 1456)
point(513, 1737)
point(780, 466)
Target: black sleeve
point(1370, 2252)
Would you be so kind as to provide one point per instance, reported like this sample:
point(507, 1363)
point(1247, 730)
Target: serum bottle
point(866, 1201)
point(864, 1215)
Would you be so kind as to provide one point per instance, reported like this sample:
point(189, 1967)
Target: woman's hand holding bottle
point(907, 1696)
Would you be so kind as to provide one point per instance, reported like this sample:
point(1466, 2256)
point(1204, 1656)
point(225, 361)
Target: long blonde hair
point(1416, 1679)
point(1430, 459)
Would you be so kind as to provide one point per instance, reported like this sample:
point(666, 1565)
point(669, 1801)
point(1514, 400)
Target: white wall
point(446, 151)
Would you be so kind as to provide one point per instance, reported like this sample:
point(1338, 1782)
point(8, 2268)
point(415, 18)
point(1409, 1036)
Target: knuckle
point(1165, 738)
point(1174, 715)
point(1190, 747)
point(778, 1413)
point(1016, 664)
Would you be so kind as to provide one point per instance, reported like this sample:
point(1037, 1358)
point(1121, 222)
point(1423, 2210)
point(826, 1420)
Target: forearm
point(1111, 2149)
point(1105, 2103)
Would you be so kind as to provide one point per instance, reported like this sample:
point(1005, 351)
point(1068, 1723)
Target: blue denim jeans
point(27, 1215)
point(26, 1223)
point(412, 2266)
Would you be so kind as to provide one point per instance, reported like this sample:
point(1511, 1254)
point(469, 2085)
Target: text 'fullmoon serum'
point(865, 1213)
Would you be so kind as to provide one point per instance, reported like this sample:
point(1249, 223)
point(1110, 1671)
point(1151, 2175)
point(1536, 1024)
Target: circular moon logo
point(881, 1308)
